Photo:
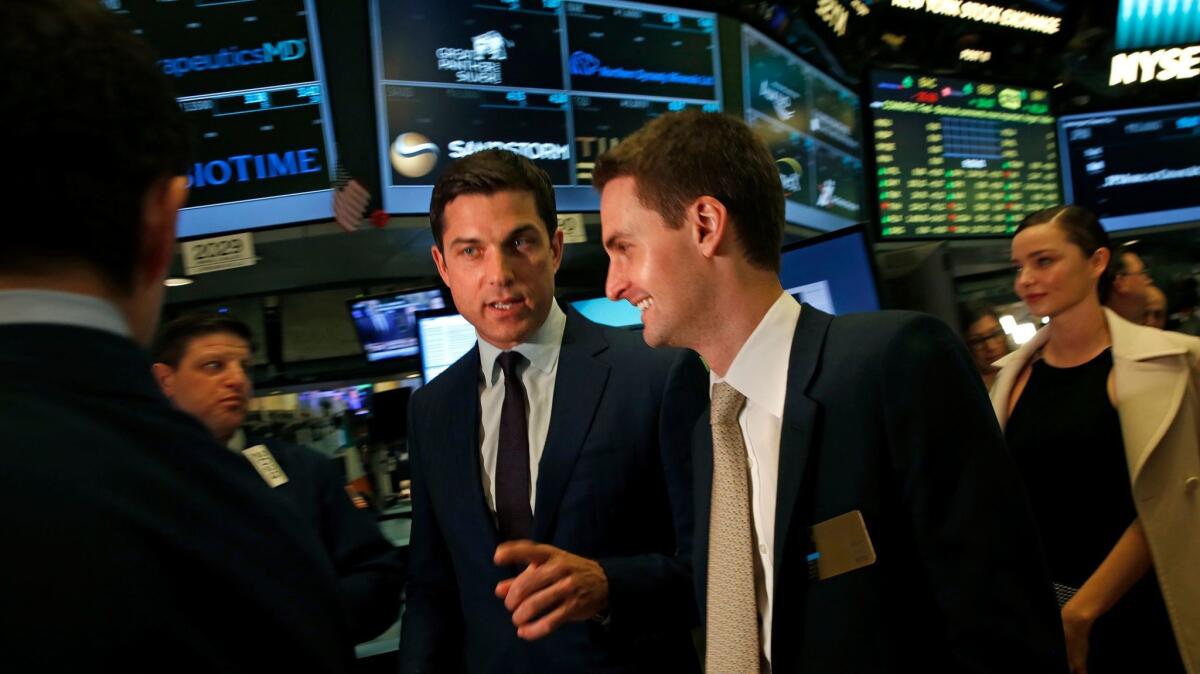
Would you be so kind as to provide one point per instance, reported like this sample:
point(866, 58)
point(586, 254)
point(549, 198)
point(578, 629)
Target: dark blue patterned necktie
point(513, 514)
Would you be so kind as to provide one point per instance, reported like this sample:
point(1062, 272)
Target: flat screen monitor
point(387, 324)
point(832, 272)
point(327, 402)
point(619, 314)
point(558, 82)
point(444, 336)
point(250, 81)
point(812, 125)
point(960, 158)
point(1135, 168)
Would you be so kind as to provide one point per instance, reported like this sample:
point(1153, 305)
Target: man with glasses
point(1128, 296)
point(986, 339)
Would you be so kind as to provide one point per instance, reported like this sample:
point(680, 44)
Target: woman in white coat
point(1103, 420)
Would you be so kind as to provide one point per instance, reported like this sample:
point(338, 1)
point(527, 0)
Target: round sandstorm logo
point(413, 155)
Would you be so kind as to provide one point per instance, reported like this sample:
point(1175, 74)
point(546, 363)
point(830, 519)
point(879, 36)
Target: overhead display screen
point(387, 324)
point(618, 314)
point(812, 125)
point(250, 82)
point(641, 50)
point(444, 337)
point(960, 158)
point(831, 272)
point(1134, 168)
point(558, 82)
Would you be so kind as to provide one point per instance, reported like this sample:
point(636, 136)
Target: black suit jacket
point(133, 541)
point(370, 570)
point(885, 414)
point(613, 485)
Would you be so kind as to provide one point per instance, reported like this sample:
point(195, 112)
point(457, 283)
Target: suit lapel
point(1150, 376)
point(1150, 384)
point(578, 387)
point(799, 416)
point(462, 472)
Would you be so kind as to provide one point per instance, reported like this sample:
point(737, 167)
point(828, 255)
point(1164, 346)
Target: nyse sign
point(1175, 63)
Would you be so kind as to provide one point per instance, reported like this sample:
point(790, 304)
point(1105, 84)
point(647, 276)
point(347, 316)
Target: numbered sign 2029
point(217, 253)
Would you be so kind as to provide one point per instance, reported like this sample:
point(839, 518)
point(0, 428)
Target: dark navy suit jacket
point(135, 542)
point(613, 485)
point(370, 569)
point(885, 414)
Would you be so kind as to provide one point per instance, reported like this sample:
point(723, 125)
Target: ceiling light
point(1024, 332)
point(176, 281)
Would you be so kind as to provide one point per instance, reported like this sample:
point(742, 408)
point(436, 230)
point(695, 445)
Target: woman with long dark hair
point(1103, 420)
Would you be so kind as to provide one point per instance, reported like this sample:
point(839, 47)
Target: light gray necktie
point(732, 643)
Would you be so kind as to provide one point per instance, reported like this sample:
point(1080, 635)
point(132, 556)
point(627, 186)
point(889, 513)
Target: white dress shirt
point(537, 375)
point(61, 308)
point(759, 372)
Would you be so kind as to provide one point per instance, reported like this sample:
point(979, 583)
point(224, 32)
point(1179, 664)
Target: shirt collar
point(759, 370)
point(238, 442)
point(61, 308)
point(541, 349)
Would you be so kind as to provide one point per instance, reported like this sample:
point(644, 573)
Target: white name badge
point(260, 457)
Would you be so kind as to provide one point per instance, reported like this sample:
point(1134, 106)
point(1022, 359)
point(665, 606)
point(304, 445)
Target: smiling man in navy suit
point(856, 508)
point(551, 482)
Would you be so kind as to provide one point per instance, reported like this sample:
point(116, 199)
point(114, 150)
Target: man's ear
point(708, 220)
point(165, 375)
point(160, 213)
point(439, 261)
point(556, 248)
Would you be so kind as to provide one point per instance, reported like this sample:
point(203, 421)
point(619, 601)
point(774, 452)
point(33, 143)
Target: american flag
point(350, 199)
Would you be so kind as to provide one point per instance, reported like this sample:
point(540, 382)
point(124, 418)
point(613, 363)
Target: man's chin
point(225, 429)
point(653, 339)
point(509, 333)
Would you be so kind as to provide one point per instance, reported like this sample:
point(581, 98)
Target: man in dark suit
point(856, 510)
point(128, 547)
point(201, 362)
point(551, 483)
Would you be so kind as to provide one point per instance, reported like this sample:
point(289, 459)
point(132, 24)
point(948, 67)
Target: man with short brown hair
point(856, 507)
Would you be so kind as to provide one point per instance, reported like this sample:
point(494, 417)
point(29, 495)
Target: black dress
point(1065, 437)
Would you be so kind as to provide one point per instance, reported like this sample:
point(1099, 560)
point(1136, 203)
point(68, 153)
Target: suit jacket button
point(1190, 484)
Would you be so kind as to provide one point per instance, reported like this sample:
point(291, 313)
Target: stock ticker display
point(558, 82)
point(811, 123)
point(960, 158)
point(249, 80)
point(1135, 168)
